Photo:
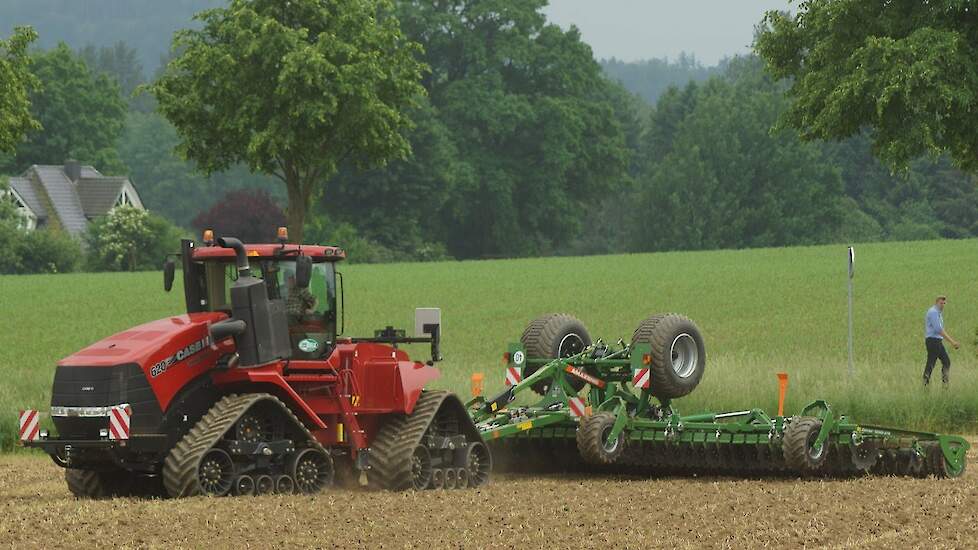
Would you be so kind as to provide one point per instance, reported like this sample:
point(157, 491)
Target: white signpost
point(852, 270)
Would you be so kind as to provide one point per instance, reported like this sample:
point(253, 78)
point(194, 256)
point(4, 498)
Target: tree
point(121, 63)
point(130, 239)
point(82, 114)
point(16, 84)
point(292, 91)
point(248, 214)
point(904, 69)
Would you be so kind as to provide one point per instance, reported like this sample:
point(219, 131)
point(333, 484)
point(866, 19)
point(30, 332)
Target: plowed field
point(36, 510)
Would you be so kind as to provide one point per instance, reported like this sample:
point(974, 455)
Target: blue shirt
point(933, 323)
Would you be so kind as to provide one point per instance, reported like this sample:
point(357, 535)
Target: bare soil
point(577, 511)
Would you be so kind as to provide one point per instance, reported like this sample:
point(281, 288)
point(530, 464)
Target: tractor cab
point(313, 319)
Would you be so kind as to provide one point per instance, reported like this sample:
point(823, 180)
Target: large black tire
point(98, 485)
point(553, 336)
point(592, 437)
point(678, 354)
point(797, 446)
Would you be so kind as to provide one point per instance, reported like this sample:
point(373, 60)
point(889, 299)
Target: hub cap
point(685, 355)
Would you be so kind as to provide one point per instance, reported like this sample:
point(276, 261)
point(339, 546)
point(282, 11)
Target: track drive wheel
point(216, 473)
point(678, 353)
point(478, 463)
point(797, 446)
point(592, 439)
point(311, 469)
point(421, 468)
point(554, 336)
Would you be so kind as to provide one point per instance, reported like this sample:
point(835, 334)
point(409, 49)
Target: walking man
point(934, 336)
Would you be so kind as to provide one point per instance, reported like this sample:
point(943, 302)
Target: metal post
point(852, 268)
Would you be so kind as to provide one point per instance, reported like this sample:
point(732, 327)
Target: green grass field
point(761, 312)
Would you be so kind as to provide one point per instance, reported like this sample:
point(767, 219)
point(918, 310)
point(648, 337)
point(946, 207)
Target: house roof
point(24, 188)
point(98, 196)
point(63, 197)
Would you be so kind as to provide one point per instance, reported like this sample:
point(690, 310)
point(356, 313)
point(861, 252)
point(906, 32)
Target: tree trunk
point(298, 204)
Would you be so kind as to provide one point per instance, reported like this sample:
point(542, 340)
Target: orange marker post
point(782, 390)
point(477, 378)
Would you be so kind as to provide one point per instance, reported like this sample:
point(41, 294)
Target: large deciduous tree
point(82, 114)
point(292, 90)
point(16, 83)
point(906, 70)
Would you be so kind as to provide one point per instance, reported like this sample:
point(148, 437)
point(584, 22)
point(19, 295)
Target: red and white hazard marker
point(640, 378)
point(30, 425)
point(577, 407)
point(119, 420)
point(514, 375)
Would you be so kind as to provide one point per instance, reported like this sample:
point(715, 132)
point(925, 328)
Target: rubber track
point(180, 466)
point(392, 449)
point(88, 484)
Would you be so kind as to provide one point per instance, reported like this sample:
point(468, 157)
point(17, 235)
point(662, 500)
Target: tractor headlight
point(43, 434)
point(103, 432)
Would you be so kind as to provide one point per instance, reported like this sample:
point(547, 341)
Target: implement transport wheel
point(216, 473)
point(592, 439)
point(799, 454)
point(421, 468)
point(311, 469)
point(478, 464)
point(939, 466)
point(678, 353)
point(551, 337)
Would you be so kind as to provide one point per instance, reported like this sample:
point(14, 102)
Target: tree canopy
point(16, 84)
point(292, 91)
point(906, 70)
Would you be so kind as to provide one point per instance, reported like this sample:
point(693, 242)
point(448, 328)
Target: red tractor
point(254, 390)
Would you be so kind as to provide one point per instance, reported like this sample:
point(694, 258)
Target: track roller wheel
point(865, 455)
point(284, 485)
point(216, 473)
point(244, 486)
point(678, 353)
point(264, 485)
point(451, 478)
point(462, 478)
point(421, 468)
point(939, 466)
point(438, 478)
point(797, 447)
point(311, 469)
point(592, 439)
point(478, 464)
point(551, 337)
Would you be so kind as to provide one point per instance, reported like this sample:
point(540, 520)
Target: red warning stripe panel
point(119, 421)
point(30, 425)
point(577, 407)
point(514, 375)
point(641, 378)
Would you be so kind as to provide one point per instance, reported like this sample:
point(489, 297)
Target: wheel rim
point(264, 485)
point(244, 485)
point(421, 467)
point(604, 440)
point(215, 473)
point(284, 485)
point(685, 355)
point(312, 471)
point(572, 344)
point(478, 464)
point(251, 429)
point(812, 453)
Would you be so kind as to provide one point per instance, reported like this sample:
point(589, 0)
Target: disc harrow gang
point(629, 423)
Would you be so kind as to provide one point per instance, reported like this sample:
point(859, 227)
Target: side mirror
point(303, 271)
point(169, 268)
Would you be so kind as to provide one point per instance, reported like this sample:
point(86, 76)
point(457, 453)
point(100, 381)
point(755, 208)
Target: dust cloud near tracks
point(553, 511)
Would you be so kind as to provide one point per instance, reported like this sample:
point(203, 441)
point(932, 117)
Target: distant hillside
point(146, 25)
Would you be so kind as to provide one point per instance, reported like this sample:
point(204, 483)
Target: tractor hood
point(157, 344)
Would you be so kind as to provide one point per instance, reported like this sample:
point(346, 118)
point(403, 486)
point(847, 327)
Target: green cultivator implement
point(611, 406)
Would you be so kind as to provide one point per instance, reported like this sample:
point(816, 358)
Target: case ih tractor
point(253, 391)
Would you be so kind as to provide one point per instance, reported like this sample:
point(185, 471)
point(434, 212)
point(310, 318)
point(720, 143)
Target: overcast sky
point(642, 29)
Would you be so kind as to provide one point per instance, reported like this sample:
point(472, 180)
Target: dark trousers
point(935, 351)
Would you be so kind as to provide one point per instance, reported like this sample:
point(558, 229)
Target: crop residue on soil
point(36, 510)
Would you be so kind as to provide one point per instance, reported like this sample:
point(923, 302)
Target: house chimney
point(73, 170)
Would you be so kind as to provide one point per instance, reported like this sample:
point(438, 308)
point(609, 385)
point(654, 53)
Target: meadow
point(761, 312)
